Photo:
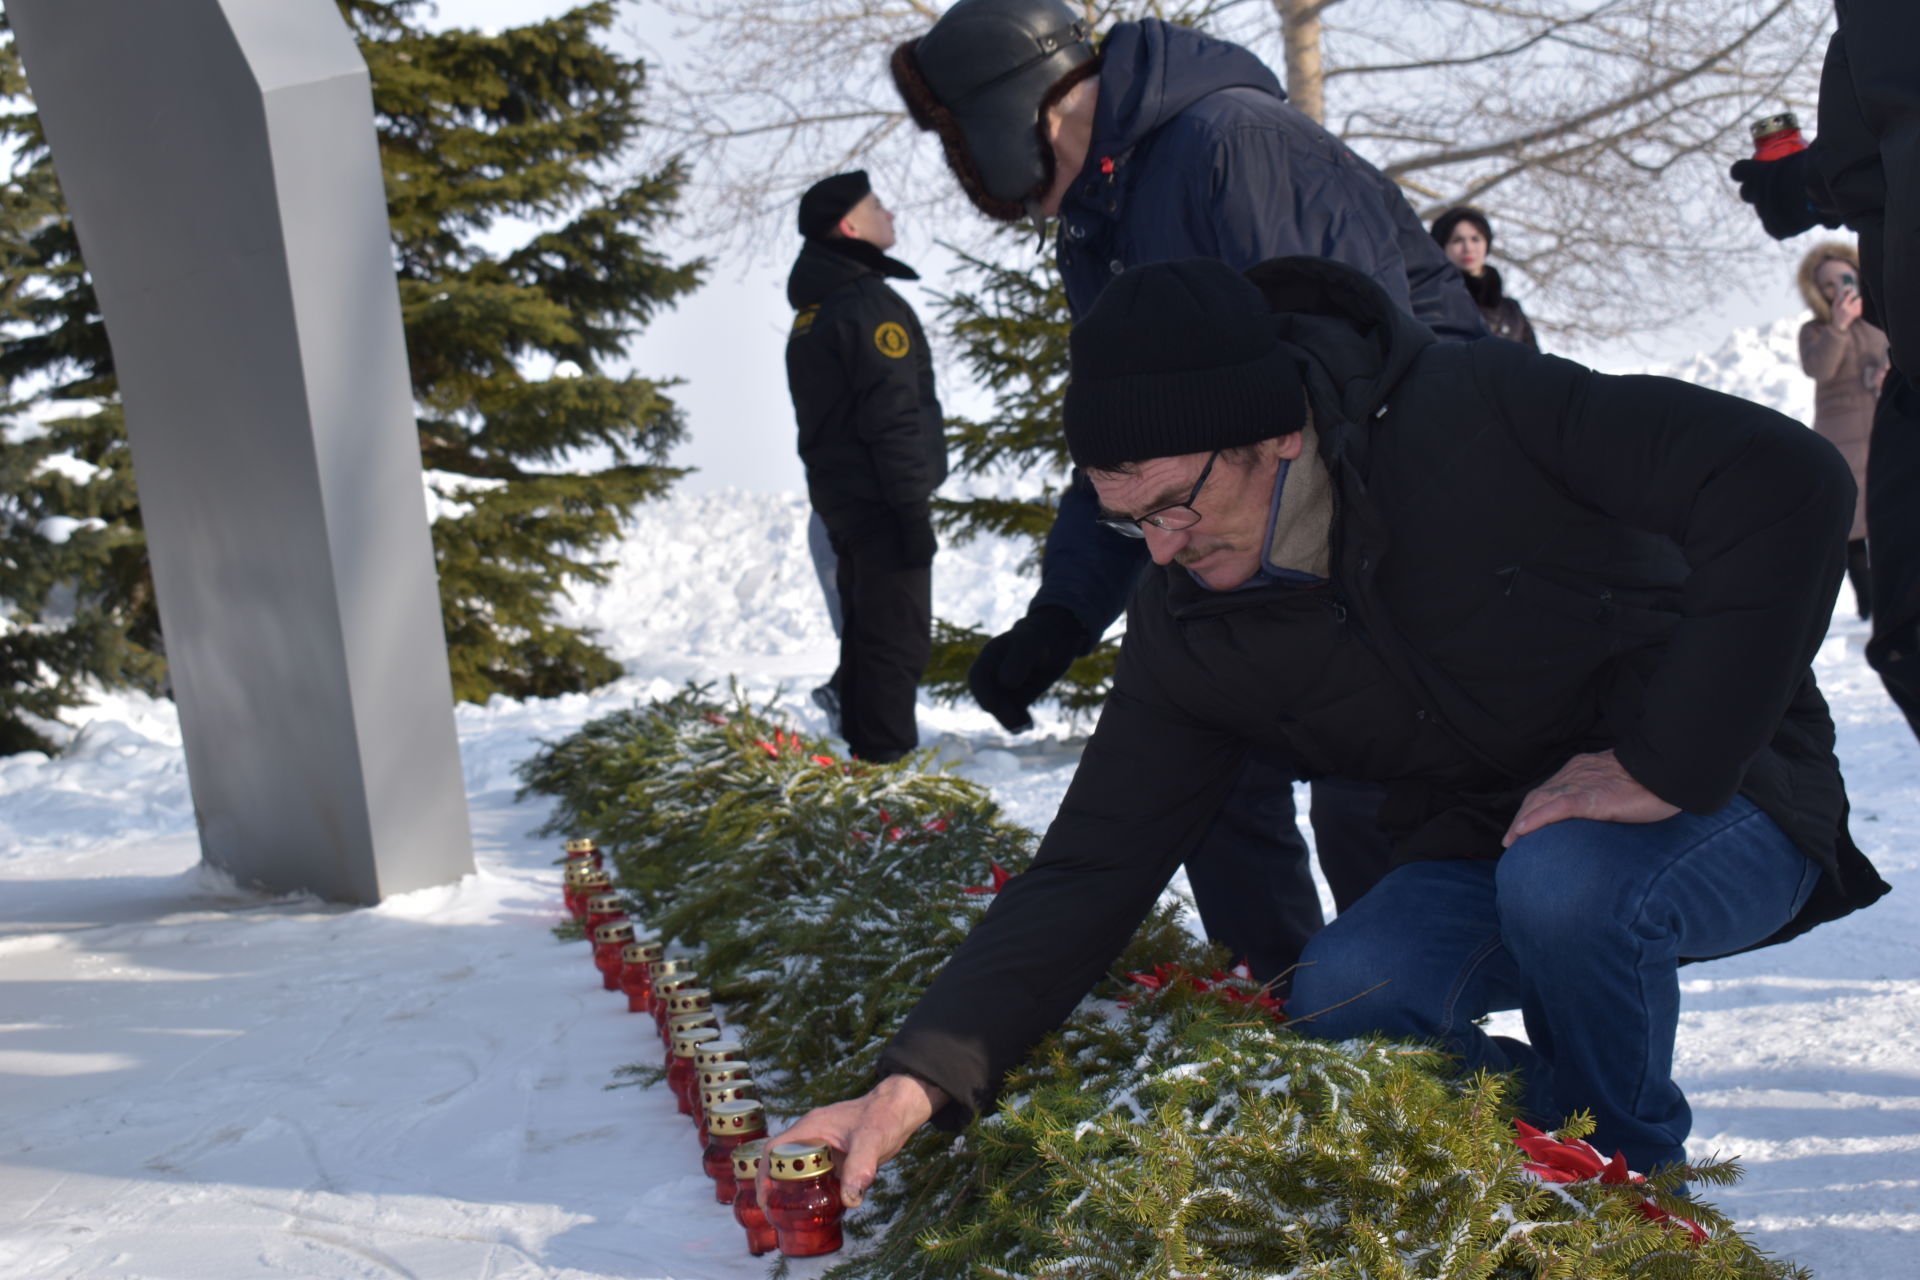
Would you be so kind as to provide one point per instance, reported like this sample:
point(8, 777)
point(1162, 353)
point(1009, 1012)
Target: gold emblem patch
point(892, 340)
point(804, 321)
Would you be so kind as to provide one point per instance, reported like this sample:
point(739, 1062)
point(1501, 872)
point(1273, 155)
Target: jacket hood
point(826, 265)
point(1151, 71)
point(1354, 343)
point(1818, 256)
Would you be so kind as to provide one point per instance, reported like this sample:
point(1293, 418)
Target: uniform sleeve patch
point(892, 341)
point(804, 321)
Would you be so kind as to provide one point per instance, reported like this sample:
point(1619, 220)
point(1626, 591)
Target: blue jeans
point(1581, 926)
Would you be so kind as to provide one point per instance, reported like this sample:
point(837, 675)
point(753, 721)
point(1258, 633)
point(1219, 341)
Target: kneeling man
point(1566, 619)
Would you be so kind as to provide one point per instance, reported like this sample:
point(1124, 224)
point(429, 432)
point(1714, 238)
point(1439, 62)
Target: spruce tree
point(528, 124)
point(535, 441)
point(76, 596)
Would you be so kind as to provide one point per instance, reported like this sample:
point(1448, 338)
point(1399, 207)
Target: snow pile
point(1761, 365)
point(204, 1084)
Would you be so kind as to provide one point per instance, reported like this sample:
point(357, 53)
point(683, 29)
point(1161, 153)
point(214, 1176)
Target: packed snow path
point(202, 1084)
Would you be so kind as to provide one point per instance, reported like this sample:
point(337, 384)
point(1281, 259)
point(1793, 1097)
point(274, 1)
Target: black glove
point(1777, 189)
point(917, 542)
point(1016, 668)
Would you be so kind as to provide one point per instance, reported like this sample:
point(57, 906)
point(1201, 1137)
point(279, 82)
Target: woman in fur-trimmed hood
point(1846, 356)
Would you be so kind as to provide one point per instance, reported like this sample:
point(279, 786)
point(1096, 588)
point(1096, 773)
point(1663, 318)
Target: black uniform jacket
point(1531, 560)
point(871, 432)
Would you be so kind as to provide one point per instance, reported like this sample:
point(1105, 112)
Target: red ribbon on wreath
point(1000, 877)
point(1566, 1160)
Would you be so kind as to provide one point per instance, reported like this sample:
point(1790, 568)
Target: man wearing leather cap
point(872, 439)
point(1167, 144)
point(1565, 619)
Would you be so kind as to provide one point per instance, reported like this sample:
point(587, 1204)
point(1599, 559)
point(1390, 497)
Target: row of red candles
point(709, 1076)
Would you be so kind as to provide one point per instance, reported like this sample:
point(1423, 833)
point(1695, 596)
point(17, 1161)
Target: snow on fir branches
point(1172, 1129)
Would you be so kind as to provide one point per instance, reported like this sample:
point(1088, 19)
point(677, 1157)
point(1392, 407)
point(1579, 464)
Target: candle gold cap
point(596, 880)
point(688, 1000)
point(745, 1090)
point(793, 1160)
point(664, 987)
point(680, 1023)
point(736, 1117)
point(579, 873)
point(606, 902)
point(714, 1074)
point(1774, 124)
point(643, 952)
point(691, 1038)
point(667, 968)
point(620, 931)
point(726, 1050)
point(746, 1157)
point(582, 844)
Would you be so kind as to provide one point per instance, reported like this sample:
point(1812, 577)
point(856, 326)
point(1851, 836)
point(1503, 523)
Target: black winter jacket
point(1531, 560)
point(1865, 159)
point(1196, 153)
point(1503, 316)
point(871, 431)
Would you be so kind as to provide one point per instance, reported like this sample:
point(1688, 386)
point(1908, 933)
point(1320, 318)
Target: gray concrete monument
point(219, 157)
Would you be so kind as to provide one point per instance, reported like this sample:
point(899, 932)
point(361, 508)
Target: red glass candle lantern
point(746, 1198)
point(680, 1064)
point(1777, 137)
point(803, 1200)
point(684, 1000)
point(705, 1097)
point(609, 940)
point(584, 851)
point(604, 908)
point(635, 980)
point(575, 892)
point(728, 1125)
point(584, 886)
point(705, 1020)
point(663, 991)
point(721, 1060)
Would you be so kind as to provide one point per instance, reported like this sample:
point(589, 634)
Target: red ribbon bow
point(1000, 877)
point(1560, 1160)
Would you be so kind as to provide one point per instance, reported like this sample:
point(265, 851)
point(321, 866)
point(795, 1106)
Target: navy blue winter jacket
point(1197, 154)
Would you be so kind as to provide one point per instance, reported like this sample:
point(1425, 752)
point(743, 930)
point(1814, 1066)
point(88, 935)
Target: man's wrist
point(908, 1090)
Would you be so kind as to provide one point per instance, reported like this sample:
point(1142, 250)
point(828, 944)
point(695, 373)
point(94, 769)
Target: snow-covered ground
point(204, 1084)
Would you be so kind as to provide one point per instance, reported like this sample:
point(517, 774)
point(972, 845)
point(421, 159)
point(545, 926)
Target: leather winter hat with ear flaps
point(979, 79)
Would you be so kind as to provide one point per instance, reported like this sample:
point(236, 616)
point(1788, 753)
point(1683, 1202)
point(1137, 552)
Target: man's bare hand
point(1588, 786)
point(864, 1132)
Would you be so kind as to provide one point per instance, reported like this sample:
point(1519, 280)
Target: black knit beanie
point(1176, 358)
point(1444, 225)
point(828, 200)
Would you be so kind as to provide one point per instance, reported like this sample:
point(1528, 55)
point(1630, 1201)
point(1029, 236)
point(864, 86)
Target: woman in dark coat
point(1467, 237)
point(1846, 356)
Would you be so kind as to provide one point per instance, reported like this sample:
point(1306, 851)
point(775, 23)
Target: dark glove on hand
point(1016, 668)
point(917, 541)
point(1777, 189)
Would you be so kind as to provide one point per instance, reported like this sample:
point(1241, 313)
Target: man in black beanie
point(1565, 619)
point(872, 440)
point(1166, 143)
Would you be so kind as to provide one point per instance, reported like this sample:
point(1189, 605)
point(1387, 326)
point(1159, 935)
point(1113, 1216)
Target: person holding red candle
point(1862, 170)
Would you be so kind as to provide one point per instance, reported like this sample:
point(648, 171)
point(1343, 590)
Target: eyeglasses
point(1172, 518)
